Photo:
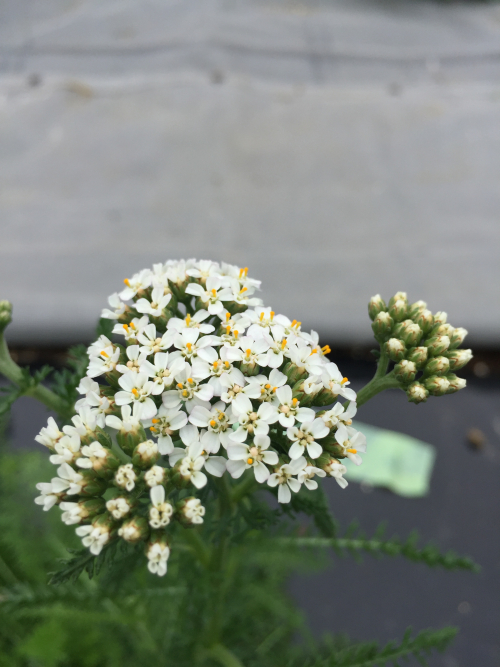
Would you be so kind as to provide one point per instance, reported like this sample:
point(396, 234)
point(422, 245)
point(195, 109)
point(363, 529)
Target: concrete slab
point(338, 149)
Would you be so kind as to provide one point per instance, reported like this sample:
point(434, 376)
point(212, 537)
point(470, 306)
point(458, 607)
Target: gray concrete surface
point(337, 148)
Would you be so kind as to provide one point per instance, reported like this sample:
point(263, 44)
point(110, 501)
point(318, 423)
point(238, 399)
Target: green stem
point(224, 656)
point(244, 488)
point(14, 373)
point(192, 536)
point(375, 386)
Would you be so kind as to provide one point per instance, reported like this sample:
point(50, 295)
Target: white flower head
point(158, 555)
point(117, 308)
point(155, 307)
point(137, 388)
point(304, 438)
point(285, 479)
point(256, 455)
point(194, 511)
point(125, 477)
point(118, 507)
point(160, 511)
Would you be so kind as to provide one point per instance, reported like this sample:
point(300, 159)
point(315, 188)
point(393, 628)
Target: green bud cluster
point(5, 314)
point(422, 345)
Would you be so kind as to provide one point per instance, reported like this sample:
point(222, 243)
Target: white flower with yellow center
point(249, 351)
point(130, 421)
point(307, 359)
point(94, 350)
point(285, 479)
point(336, 470)
point(84, 423)
point(94, 537)
point(132, 331)
point(190, 344)
point(163, 370)
point(158, 555)
point(159, 301)
point(191, 322)
point(203, 270)
point(278, 349)
point(151, 343)
point(251, 422)
point(137, 284)
point(232, 384)
point(135, 356)
point(241, 295)
point(307, 475)
point(67, 450)
point(212, 365)
point(265, 388)
point(50, 434)
point(188, 390)
point(105, 362)
point(288, 408)
point(196, 456)
point(212, 296)
point(137, 388)
point(117, 308)
point(332, 379)
point(94, 456)
point(305, 436)
point(256, 456)
point(218, 423)
point(167, 422)
point(339, 415)
point(230, 323)
point(160, 511)
point(352, 442)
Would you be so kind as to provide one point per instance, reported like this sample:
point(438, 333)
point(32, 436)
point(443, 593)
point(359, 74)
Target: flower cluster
point(423, 346)
point(197, 379)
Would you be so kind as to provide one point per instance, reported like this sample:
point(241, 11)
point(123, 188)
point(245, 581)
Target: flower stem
point(224, 656)
point(380, 381)
point(14, 373)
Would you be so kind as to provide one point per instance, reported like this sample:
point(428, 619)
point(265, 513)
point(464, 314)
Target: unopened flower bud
point(456, 383)
point(417, 393)
point(98, 458)
point(436, 385)
point(458, 358)
point(5, 314)
point(416, 308)
point(90, 484)
point(437, 366)
point(382, 326)
point(118, 507)
point(125, 477)
point(395, 349)
point(418, 355)
point(440, 317)
point(443, 330)
point(399, 310)
point(128, 440)
point(190, 511)
point(155, 476)
point(145, 454)
point(134, 529)
point(399, 296)
point(405, 371)
point(437, 345)
point(375, 306)
point(425, 320)
point(409, 332)
point(457, 337)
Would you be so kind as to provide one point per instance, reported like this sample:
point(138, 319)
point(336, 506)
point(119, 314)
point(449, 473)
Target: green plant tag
point(395, 461)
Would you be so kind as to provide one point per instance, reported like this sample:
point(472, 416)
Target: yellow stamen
point(261, 317)
point(228, 317)
point(135, 392)
point(214, 292)
point(241, 272)
point(189, 346)
point(298, 324)
point(152, 429)
point(243, 289)
point(213, 423)
point(249, 352)
point(184, 393)
point(228, 329)
point(294, 323)
point(314, 351)
point(250, 461)
point(262, 391)
point(221, 416)
point(352, 451)
point(344, 381)
point(267, 386)
point(188, 319)
point(235, 333)
point(274, 389)
point(104, 354)
point(226, 364)
point(295, 401)
point(125, 326)
point(132, 325)
point(272, 315)
point(190, 380)
point(246, 271)
point(127, 282)
point(283, 343)
point(179, 385)
point(326, 349)
point(155, 421)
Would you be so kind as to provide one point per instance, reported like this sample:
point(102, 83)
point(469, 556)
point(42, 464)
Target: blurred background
point(338, 148)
